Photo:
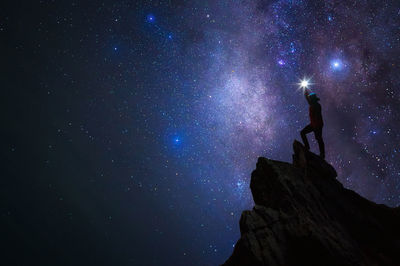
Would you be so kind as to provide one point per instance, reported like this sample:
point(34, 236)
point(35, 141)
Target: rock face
point(304, 216)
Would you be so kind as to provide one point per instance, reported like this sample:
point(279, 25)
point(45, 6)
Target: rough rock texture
point(304, 216)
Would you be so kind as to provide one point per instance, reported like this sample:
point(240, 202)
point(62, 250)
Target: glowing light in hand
point(304, 84)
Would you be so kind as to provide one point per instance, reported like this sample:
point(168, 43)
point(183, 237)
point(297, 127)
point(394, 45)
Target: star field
point(132, 127)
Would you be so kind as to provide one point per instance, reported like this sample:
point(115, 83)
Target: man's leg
point(318, 137)
point(303, 133)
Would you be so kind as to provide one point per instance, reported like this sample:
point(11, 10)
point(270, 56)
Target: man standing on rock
point(316, 122)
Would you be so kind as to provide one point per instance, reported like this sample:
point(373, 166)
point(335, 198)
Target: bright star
point(150, 18)
point(336, 64)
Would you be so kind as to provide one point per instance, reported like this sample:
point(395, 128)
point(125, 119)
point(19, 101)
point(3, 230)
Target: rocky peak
point(304, 216)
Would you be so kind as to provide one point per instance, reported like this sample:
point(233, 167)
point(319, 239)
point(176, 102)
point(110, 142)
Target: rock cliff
point(304, 216)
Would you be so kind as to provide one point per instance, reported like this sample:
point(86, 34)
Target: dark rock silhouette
point(304, 216)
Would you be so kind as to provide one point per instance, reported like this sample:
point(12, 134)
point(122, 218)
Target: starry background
point(130, 128)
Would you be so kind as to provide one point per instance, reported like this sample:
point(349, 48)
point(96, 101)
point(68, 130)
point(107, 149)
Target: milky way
point(255, 110)
point(148, 117)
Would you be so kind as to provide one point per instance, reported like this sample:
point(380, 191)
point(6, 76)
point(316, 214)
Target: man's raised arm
point(306, 93)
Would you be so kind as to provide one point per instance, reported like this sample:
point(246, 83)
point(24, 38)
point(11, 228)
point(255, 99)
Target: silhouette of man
point(316, 122)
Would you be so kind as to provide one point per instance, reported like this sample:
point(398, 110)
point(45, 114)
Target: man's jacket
point(315, 115)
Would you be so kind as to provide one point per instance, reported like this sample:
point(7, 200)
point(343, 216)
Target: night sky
point(130, 128)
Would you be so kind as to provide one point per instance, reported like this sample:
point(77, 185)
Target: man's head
point(313, 97)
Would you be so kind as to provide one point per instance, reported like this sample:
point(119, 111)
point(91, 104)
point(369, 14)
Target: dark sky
point(130, 128)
